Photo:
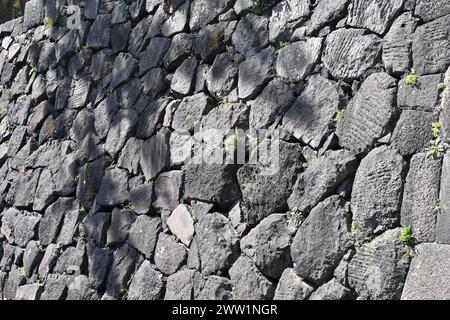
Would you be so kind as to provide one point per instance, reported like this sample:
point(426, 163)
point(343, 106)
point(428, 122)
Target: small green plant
point(22, 271)
point(411, 78)
point(436, 128)
point(82, 208)
point(124, 293)
point(49, 22)
point(284, 44)
point(437, 206)
point(127, 207)
point(87, 46)
point(231, 143)
point(338, 116)
point(37, 279)
point(442, 86)
point(354, 229)
point(371, 238)
point(436, 149)
point(406, 236)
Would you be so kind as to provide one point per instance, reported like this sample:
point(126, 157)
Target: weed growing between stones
point(406, 236)
point(411, 78)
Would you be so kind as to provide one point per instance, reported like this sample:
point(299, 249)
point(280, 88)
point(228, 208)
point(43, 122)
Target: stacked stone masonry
point(97, 198)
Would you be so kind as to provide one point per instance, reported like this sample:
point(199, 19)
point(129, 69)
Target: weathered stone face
point(104, 194)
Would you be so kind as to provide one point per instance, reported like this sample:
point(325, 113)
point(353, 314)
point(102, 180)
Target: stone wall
point(98, 200)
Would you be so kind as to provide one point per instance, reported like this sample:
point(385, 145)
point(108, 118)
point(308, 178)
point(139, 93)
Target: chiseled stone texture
point(427, 277)
point(109, 191)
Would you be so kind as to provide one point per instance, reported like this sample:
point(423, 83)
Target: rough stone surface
point(426, 279)
point(377, 190)
point(349, 53)
point(369, 113)
point(379, 268)
point(296, 61)
point(292, 287)
point(321, 241)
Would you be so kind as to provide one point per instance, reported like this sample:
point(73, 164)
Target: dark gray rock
point(397, 44)
point(32, 257)
point(67, 45)
point(121, 270)
point(122, 128)
point(331, 290)
point(210, 41)
point(177, 20)
point(423, 95)
point(90, 180)
point(141, 198)
point(413, 133)
point(285, 17)
point(99, 261)
point(326, 12)
point(114, 188)
point(266, 190)
point(100, 33)
point(296, 61)
point(443, 207)
point(321, 241)
point(204, 11)
point(144, 234)
point(248, 282)
point(79, 289)
point(221, 79)
point(379, 268)
point(227, 116)
point(254, 73)
point(129, 158)
point(34, 14)
point(268, 245)
point(169, 254)
point(216, 288)
point(184, 285)
point(190, 111)
point(29, 292)
point(95, 226)
point(154, 82)
point(48, 261)
point(104, 114)
point(154, 54)
point(368, 115)
point(377, 190)
point(218, 244)
point(273, 101)
point(428, 57)
point(430, 10)
point(69, 227)
point(139, 36)
point(55, 287)
point(70, 259)
point(82, 125)
point(310, 117)
point(427, 279)
point(150, 117)
point(183, 79)
point(147, 283)
point(374, 15)
point(121, 221)
point(53, 218)
point(180, 49)
point(124, 65)
point(120, 34)
point(292, 287)
point(167, 192)
point(421, 196)
point(349, 53)
point(251, 34)
point(155, 155)
point(212, 183)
